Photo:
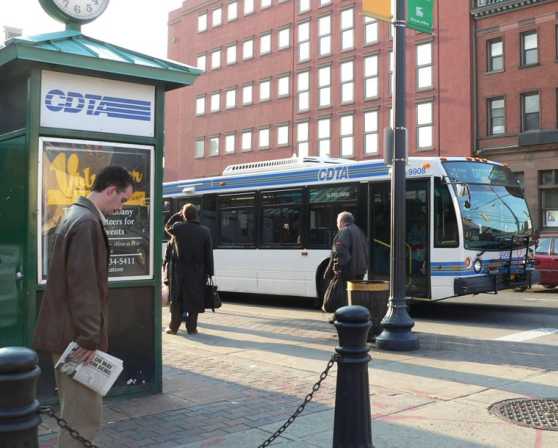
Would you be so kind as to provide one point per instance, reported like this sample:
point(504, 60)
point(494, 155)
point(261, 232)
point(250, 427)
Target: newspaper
point(98, 375)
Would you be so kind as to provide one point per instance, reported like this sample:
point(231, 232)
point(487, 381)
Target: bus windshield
point(492, 205)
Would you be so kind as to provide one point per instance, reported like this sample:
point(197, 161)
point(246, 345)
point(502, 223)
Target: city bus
point(272, 222)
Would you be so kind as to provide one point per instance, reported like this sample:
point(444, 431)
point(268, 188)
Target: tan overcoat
point(75, 304)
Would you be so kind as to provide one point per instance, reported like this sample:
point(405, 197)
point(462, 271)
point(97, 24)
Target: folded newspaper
point(99, 374)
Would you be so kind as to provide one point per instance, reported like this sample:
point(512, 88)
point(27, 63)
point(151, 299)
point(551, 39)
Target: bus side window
point(208, 215)
point(445, 221)
point(237, 220)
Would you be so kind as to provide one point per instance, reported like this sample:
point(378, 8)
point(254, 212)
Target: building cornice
point(481, 8)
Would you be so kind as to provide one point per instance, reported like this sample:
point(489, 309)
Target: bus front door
point(417, 243)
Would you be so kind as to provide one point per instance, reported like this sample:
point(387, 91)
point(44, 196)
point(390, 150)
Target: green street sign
point(419, 15)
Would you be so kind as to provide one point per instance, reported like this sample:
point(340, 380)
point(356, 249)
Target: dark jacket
point(349, 253)
point(194, 263)
point(75, 303)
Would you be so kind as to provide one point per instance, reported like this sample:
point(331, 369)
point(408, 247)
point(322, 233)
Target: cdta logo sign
point(337, 173)
point(57, 100)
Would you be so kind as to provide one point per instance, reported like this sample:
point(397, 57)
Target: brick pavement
point(249, 368)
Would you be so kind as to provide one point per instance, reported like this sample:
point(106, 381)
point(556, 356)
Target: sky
point(139, 25)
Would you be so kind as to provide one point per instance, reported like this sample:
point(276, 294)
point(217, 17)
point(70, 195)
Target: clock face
point(81, 10)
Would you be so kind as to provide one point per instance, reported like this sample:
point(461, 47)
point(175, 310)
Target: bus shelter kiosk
point(69, 106)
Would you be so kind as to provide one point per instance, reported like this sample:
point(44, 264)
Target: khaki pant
point(81, 407)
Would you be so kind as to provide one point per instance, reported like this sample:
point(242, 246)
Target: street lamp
point(397, 323)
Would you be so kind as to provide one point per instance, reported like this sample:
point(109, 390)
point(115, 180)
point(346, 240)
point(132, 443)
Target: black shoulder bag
point(211, 297)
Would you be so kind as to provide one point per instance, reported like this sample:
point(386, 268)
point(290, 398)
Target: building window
point(371, 132)
point(246, 140)
point(230, 143)
point(265, 4)
point(424, 66)
point(496, 116)
point(303, 6)
point(230, 99)
point(200, 105)
point(284, 38)
point(263, 138)
point(324, 35)
point(303, 41)
point(247, 94)
point(347, 83)
point(324, 137)
point(202, 23)
point(248, 49)
point(215, 59)
point(530, 111)
point(371, 77)
point(283, 135)
point(231, 54)
point(215, 102)
point(199, 148)
point(303, 91)
point(324, 2)
point(265, 90)
point(283, 86)
point(265, 43)
point(232, 11)
point(548, 187)
point(201, 62)
point(529, 48)
point(213, 146)
point(248, 7)
point(370, 30)
point(391, 72)
point(347, 29)
point(424, 126)
point(495, 51)
point(324, 86)
point(217, 17)
point(302, 137)
point(347, 140)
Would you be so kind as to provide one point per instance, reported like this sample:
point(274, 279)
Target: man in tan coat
point(75, 304)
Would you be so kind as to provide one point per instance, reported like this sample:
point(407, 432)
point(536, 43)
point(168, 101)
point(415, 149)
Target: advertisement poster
point(67, 171)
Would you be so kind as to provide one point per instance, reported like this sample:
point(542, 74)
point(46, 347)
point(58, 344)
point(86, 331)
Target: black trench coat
point(194, 264)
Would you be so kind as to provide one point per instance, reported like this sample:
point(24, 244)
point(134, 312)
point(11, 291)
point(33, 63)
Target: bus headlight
point(477, 266)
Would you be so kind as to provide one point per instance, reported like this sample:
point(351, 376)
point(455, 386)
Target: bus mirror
point(388, 146)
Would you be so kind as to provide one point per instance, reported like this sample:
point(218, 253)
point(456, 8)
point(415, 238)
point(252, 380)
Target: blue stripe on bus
point(270, 179)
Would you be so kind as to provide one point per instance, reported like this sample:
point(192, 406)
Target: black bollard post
point(19, 408)
point(352, 427)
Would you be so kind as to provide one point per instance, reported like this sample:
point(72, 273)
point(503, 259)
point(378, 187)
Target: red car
point(546, 260)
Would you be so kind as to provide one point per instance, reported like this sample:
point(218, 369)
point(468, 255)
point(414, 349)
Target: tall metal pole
point(397, 323)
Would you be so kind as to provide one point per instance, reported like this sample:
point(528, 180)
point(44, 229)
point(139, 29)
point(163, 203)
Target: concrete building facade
point(310, 77)
point(516, 68)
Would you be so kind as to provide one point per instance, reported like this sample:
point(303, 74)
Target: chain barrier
point(47, 410)
point(300, 409)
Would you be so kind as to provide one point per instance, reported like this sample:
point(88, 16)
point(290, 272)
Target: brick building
point(310, 77)
point(517, 96)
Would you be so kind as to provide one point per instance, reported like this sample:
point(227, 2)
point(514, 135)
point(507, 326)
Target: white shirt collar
point(103, 218)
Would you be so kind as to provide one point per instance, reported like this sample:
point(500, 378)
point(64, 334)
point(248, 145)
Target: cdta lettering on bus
point(336, 173)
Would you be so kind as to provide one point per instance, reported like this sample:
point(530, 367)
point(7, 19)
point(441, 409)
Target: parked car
point(546, 260)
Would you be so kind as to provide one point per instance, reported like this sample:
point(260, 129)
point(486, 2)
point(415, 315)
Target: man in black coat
point(194, 265)
point(349, 254)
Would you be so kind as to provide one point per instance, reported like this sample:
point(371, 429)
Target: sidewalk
point(248, 369)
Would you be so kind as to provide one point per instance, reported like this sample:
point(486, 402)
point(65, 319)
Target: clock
point(74, 11)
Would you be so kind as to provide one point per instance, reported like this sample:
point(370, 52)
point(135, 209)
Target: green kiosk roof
point(72, 49)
